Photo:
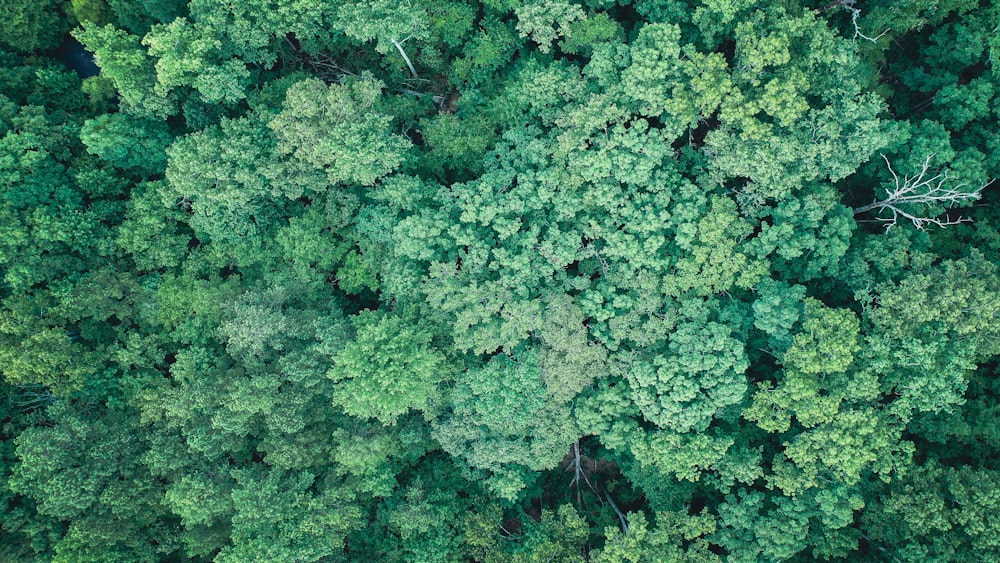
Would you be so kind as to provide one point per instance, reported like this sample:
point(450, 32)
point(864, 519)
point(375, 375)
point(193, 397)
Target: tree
point(660, 540)
point(31, 26)
point(191, 55)
point(544, 22)
point(448, 280)
point(267, 501)
point(339, 130)
point(497, 425)
point(123, 61)
point(234, 183)
point(387, 370)
point(99, 487)
point(931, 329)
point(700, 373)
point(128, 142)
point(936, 511)
point(390, 24)
point(814, 383)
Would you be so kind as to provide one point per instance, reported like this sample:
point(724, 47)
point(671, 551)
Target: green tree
point(127, 65)
point(31, 26)
point(936, 511)
point(338, 129)
point(387, 370)
point(128, 142)
point(499, 426)
point(99, 486)
point(700, 374)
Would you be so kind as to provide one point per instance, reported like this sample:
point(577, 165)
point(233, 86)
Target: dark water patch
point(72, 54)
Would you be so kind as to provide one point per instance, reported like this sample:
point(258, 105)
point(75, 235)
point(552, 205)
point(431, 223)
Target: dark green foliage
point(502, 281)
point(31, 25)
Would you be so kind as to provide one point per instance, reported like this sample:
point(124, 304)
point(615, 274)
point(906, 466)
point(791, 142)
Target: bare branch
point(926, 190)
point(399, 47)
point(618, 511)
point(34, 396)
point(593, 252)
point(855, 14)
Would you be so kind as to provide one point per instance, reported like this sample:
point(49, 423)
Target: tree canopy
point(499, 281)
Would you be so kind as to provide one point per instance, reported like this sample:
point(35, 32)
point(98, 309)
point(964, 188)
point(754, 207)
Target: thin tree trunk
point(618, 511)
point(409, 65)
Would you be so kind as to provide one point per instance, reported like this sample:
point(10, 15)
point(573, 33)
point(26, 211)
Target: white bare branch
point(855, 14)
point(921, 192)
point(399, 47)
point(618, 511)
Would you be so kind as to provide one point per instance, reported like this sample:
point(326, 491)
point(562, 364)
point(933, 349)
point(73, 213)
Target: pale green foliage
point(259, 324)
point(586, 34)
point(188, 55)
point(852, 444)
point(569, 361)
point(712, 260)
point(287, 516)
point(42, 354)
point(683, 456)
point(826, 140)
point(827, 342)
point(387, 370)
point(679, 83)
point(338, 129)
point(123, 60)
point(544, 21)
point(662, 543)
point(815, 380)
point(384, 21)
point(201, 498)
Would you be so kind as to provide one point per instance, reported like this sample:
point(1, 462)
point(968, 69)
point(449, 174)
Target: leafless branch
point(399, 47)
point(438, 100)
point(855, 14)
point(34, 396)
point(593, 252)
point(508, 535)
point(579, 473)
point(618, 511)
point(921, 190)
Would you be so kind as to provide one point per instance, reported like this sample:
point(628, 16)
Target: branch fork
point(923, 189)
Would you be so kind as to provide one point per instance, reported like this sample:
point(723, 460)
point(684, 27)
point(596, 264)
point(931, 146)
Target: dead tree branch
point(34, 396)
point(922, 190)
point(409, 65)
point(618, 511)
point(855, 14)
point(580, 473)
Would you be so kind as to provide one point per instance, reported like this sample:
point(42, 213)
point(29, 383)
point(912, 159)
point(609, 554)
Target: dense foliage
point(616, 281)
